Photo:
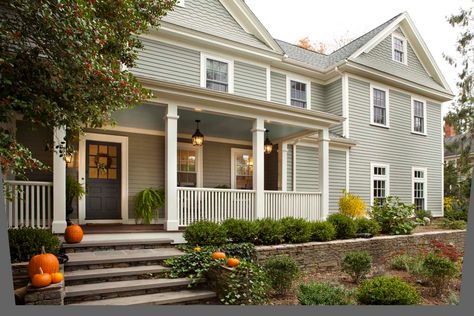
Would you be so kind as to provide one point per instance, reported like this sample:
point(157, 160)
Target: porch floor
point(121, 228)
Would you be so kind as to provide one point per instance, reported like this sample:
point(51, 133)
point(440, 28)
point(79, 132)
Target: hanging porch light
point(267, 145)
point(198, 138)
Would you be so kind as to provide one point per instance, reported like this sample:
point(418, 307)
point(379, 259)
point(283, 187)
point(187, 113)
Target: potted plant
point(73, 190)
point(147, 203)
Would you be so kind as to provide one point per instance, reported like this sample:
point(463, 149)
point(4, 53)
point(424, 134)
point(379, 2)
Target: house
point(365, 118)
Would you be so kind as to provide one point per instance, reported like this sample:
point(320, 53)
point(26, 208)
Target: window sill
point(380, 125)
point(418, 133)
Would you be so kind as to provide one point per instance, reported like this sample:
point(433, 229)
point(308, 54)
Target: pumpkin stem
point(40, 270)
point(43, 251)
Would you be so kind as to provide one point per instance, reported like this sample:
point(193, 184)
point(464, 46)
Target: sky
point(326, 21)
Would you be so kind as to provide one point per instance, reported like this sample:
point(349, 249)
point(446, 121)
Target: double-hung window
point(419, 177)
point(418, 116)
point(380, 188)
point(298, 94)
point(399, 49)
point(379, 111)
point(189, 166)
point(241, 169)
point(217, 75)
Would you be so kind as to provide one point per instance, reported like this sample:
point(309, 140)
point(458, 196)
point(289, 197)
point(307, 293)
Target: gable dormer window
point(217, 73)
point(399, 49)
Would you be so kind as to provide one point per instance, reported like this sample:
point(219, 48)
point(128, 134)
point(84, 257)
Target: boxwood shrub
point(282, 272)
point(296, 230)
point(344, 225)
point(269, 231)
point(385, 290)
point(25, 242)
point(322, 231)
point(205, 233)
point(240, 230)
point(367, 226)
point(323, 294)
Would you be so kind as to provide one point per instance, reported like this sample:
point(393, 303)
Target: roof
point(323, 61)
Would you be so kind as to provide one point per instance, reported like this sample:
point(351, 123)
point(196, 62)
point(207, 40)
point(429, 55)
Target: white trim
point(424, 180)
point(345, 104)
point(283, 155)
point(442, 162)
point(233, 153)
point(300, 80)
point(230, 75)
point(413, 99)
point(348, 170)
point(269, 83)
point(199, 161)
point(405, 50)
point(385, 178)
point(294, 167)
point(123, 140)
point(387, 105)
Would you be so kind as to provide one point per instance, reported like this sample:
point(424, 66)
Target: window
point(242, 169)
point(380, 183)
point(189, 160)
point(217, 73)
point(419, 187)
point(298, 94)
point(399, 49)
point(379, 112)
point(418, 116)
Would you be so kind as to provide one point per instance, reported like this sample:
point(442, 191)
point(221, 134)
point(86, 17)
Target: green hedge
point(25, 242)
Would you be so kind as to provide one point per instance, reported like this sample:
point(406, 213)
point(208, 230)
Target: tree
point(461, 114)
point(324, 48)
point(63, 63)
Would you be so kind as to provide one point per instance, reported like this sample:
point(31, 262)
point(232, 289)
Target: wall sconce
point(69, 159)
point(267, 145)
point(198, 138)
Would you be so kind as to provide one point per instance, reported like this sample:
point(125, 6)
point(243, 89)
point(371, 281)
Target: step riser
point(91, 266)
point(112, 247)
point(117, 278)
point(95, 297)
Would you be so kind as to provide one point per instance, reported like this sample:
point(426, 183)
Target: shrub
point(453, 224)
point(193, 265)
point(269, 231)
point(439, 271)
point(352, 205)
point(357, 264)
point(367, 226)
point(323, 294)
point(385, 290)
point(322, 231)
point(205, 233)
point(25, 242)
point(296, 230)
point(402, 262)
point(239, 230)
point(422, 214)
point(394, 217)
point(446, 250)
point(455, 209)
point(344, 225)
point(281, 271)
point(242, 251)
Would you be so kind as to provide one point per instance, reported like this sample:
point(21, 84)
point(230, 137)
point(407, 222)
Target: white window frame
point(373, 177)
point(425, 184)
point(289, 79)
point(199, 161)
point(387, 105)
point(230, 75)
point(234, 152)
point(405, 46)
point(413, 99)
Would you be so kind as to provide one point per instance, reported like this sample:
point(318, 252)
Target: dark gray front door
point(103, 180)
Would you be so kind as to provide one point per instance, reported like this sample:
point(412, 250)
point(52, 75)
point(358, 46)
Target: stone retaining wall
point(326, 256)
point(20, 274)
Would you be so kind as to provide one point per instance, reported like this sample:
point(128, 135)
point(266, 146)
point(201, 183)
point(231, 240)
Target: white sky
point(326, 20)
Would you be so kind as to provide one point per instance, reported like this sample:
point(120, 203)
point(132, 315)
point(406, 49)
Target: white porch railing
point(280, 204)
point(215, 205)
point(29, 203)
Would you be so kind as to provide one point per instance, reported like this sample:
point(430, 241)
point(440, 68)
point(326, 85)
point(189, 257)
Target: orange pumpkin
point(233, 262)
point(41, 279)
point(57, 277)
point(218, 255)
point(48, 263)
point(73, 234)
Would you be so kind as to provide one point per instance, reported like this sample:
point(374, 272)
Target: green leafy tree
point(64, 63)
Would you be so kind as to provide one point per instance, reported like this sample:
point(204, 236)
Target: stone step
point(112, 274)
point(163, 298)
point(119, 244)
point(118, 258)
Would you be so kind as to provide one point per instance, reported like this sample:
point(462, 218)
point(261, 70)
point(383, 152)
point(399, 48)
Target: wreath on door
point(102, 167)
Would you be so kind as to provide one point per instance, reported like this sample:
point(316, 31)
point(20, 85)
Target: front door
point(103, 180)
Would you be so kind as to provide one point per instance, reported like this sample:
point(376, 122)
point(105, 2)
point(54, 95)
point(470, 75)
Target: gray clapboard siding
point(396, 146)
point(337, 178)
point(333, 99)
point(250, 80)
point(169, 62)
point(289, 168)
point(307, 169)
point(380, 57)
point(278, 87)
point(318, 97)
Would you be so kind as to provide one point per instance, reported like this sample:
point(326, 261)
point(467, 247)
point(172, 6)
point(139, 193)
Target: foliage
point(269, 232)
point(357, 264)
point(73, 190)
point(385, 290)
point(394, 217)
point(367, 226)
point(422, 214)
point(247, 284)
point(403, 262)
point(147, 203)
point(205, 233)
point(281, 271)
point(61, 65)
point(242, 251)
point(455, 209)
point(344, 225)
point(352, 205)
point(239, 230)
point(322, 231)
point(295, 230)
point(439, 271)
point(323, 294)
point(25, 242)
point(453, 224)
point(446, 250)
point(193, 265)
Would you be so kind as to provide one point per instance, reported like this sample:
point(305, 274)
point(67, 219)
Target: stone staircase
point(127, 272)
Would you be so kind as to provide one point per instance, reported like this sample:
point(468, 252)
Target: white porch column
point(283, 165)
point(171, 181)
point(258, 134)
point(324, 171)
point(59, 185)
